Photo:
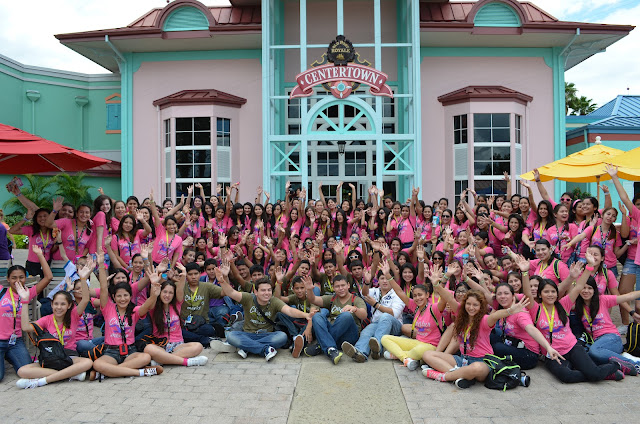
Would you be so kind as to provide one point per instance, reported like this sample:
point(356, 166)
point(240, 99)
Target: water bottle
point(465, 258)
point(435, 221)
point(525, 380)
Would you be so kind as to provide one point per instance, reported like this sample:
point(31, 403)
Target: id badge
point(465, 361)
point(13, 339)
point(124, 350)
point(188, 320)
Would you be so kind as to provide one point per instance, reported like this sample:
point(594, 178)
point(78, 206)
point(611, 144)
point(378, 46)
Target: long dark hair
point(551, 220)
point(594, 303)
point(88, 224)
point(113, 289)
point(238, 220)
point(120, 232)
point(97, 205)
point(254, 217)
point(139, 225)
point(66, 321)
point(36, 227)
point(157, 315)
point(341, 229)
point(517, 236)
point(562, 314)
point(513, 293)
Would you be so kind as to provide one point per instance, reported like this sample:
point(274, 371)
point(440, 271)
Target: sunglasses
point(446, 216)
point(438, 259)
point(565, 199)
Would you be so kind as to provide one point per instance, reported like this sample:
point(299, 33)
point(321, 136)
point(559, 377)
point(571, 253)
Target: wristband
point(54, 211)
point(24, 303)
point(375, 305)
point(525, 272)
point(589, 268)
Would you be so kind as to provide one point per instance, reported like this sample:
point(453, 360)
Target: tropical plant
point(578, 193)
point(570, 92)
point(35, 188)
point(578, 105)
point(73, 188)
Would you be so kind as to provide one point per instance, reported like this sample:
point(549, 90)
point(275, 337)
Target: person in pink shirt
point(168, 243)
point(220, 224)
point(550, 315)
point(527, 207)
point(592, 308)
point(561, 232)
point(38, 235)
point(165, 317)
point(540, 229)
point(119, 211)
point(546, 265)
point(76, 233)
point(102, 214)
point(120, 357)
point(63, 325)
point(12, 346)
point(472, 329)
point(126, 241)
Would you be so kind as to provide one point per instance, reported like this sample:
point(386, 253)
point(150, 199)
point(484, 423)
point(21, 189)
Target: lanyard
point(551, 321)
point(559, 233)
point(603, 238)
point(86, 324)
point(169, 243)
point(415, 319)
point(589, 320)
point(541, 269)
point(541, 229)
point(78, 237)
point(60, 334)
point(14, 307)
point(329, 284)
point(167, 317)
point(122, 327)
point(45, 243)
point(193, 296)
point(465, 337)
point(304, 307)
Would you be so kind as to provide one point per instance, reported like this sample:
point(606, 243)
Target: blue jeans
point(84, 346)
point(293, 326)
point(329, 335)
point(256, 343)
point(16, 354)
point(606, 346)
point(202, 335)
point(216, 313)
point(144, 327)
point(387, 324)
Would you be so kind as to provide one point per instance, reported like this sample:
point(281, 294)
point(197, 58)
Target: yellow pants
point(404, 347)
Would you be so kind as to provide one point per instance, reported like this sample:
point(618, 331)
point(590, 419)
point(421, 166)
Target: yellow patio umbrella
point(628, 164)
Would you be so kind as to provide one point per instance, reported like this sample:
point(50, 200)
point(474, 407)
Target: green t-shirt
point(355, 286)
point(335, 308)
point(301, 305)
point(253, 321)
point(326, 286)
point(199, 304)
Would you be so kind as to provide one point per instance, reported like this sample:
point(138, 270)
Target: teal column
point(304, 100)
point(266, 90)
point(416, 59)
point(559, 121)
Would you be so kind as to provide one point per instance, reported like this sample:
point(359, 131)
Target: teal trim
point(497, 15)
point(266, 74)
point(416, 59)
point(559, 130)
point(126, 135)
point(113, 116)
point(343, 127)
point(545, 53)
point(138, 58)
point(186, 18)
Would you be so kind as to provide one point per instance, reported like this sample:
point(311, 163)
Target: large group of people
point(434, 286)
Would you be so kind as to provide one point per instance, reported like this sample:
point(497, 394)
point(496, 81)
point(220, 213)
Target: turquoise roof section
point(497, 15)
point(623, 105)
point(186, 19)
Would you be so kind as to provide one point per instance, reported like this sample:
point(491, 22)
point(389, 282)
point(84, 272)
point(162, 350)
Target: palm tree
point(570, 92)
point(36, 189)
point(583, 106)
point(72, 188)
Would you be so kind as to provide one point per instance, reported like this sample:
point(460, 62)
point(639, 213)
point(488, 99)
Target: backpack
point(633, 339)
point(504, 373)
point(363, 322)
point(52, 354)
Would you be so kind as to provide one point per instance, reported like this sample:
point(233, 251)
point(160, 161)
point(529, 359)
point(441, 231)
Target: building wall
point(154, 80)
point(441, 75)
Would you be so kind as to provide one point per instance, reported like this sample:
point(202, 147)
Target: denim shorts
point(470, 360)
point(630, 267)
point(170, 347)
point(114, 352)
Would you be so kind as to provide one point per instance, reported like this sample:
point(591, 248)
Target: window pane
point(501, 136)
point(361, 156)
point(482, 120)
point(499, 168)
point(202, 171)
point(202, 138)
point(333, 157)
point(464, 136)
point(482, 136)
point(202, 156)
point(349, 157)
point(219, 125)
point(388, 128)
point(184, 171)
point(388, 110)
point(483, 187)
point(456, 122)
point(183, 139)
point(227, 125)
point(350, 170)
point(464, 121)
point(201, 124)
point(457, 137)
point(500, 120)
point(184, 124)
point(334, 170)
point(482, 153)
point(184, 156)
point(501, 153)
point(499, 187)
point(482, 168)
point(361, 170)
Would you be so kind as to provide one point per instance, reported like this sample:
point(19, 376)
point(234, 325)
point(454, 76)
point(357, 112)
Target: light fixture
point(341, 145)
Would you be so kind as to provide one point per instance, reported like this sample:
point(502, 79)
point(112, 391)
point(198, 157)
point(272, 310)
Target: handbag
point(194, 323)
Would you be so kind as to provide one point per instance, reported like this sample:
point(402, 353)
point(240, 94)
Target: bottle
point(525, 380)
point(465, 258)
point(435, 221)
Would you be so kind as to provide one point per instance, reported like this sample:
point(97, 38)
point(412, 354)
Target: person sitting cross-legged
point(341, 324)
point(260, 310)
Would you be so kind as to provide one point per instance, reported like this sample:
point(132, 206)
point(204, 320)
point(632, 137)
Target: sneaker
point(617, 376)
point(375, 347)
point(233, 318)
point(334, 355)
point(622, 329)
point(433, 374)
point(388, 355)
point(198, 361)
point(411, 364)
point(27, 383)
point(242, 353)
point(270, 353)
point(149, 371)
point(96, 376)
point(79, 377)
point(298, 344)
point(353, 353)
point(461, 383)
point(154, 363)
point(220, 346)
point(425, 367)
point(313, 349)
point(626, 367)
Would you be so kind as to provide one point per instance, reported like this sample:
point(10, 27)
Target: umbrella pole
point(598, 187)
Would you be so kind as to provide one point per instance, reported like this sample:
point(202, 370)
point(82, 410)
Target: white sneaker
point(198, 361)
point(220, 346)
point(27, 383)
point(242, 353)
point(630, 356)
point(154, 363)
point(622, 329)
point(388, 355)
point(79, 377)
point(425, 367)
point(271, 352)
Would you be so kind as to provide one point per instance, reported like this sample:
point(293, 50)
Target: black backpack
point(52, 354)
point(504, 372)
point(633, 339)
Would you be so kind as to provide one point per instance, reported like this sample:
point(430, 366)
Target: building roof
point(620, 115)
point(623, 105)
point(485, 93)
point(459, 12)
point(200, 97)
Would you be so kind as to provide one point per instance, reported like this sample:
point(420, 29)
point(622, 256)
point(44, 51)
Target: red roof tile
point(483, 92)
point(200, 97)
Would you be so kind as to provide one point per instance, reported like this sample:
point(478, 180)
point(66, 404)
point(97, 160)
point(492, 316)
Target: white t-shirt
point(390, 300)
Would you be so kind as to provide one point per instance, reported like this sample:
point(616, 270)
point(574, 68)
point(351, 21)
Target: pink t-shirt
point(125, 248)
point(514, 326)
point(560, 237)
point(194, 229)
point(458, 228)
point(100, 220)
point(605, 282)
point(549, 270)
point(482, 346)
point(538, 231)
point(426, 328)
point(175, 331)
point(115, 223)
point(598, 238)
point(69, 334)
point(562, 339)
point(601, 324)
point(112, 331)
point(531, 219)
point(402, 228)
point(71, 238)
point(45, 243)
point(8, 323)
point(165, 246)
point(220, 227)
point(85, 322)
point(633, 234)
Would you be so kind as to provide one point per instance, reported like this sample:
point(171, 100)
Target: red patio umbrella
point(25, 153)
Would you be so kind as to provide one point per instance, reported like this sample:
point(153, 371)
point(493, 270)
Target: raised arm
point(84, 275)
point(541, 189)
point(104, 284)
point(503, 313)
point(16, 228)
point(222, 275)
point(48, 275)
point(523, 265)
point(57, 205)
point(150, 303)
point(386, 270)
point(313, 299)
point(582, 280)
point(23, 293)
point(613, 172)
point(180, 282)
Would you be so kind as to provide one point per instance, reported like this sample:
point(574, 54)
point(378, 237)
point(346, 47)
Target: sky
point(27, 28)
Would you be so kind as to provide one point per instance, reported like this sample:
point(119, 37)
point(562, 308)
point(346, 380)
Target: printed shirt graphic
point(70, 336)
point(335, 309)
point(601, 324)
point(482, 346)
point(196, 302)
point(165, 246)
point(426, 329)
point(45, 244)
point(253, 321)
point(112, 332)
point(7, 319)
point(65, 225)
point(174, 331)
